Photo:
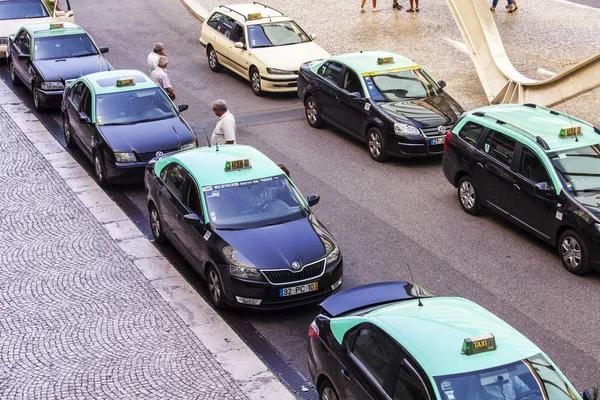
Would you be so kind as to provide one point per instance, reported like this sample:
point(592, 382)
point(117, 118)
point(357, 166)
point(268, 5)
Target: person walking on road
point(411, 9)
point(152, 60)
point(510, 7)
point(362, 6)
point(224, 132)
point(160, 76)
point(396, 6)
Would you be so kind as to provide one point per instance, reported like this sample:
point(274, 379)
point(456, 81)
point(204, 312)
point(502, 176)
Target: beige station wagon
point(259, 43)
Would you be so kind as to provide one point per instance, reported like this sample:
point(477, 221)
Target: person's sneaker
point(362, 10)
point(376, 10)
point(397, 6)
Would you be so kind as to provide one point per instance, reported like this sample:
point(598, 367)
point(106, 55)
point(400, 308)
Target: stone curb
point(252, 376)
point(196, 9)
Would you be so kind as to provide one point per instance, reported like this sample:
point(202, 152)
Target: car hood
point(425, 113)
point(71, 68)
point(591, 202)
point(11, 26)
point(144, 137)
point(290, 57)
point(278, 246)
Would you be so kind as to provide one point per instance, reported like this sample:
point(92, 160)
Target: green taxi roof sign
point(385, 60)
point(125, 82)
point(479, 344)
point(57, 25)
point(570, 131)
point(234, 165)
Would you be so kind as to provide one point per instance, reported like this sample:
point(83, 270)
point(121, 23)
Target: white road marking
point(461, 46)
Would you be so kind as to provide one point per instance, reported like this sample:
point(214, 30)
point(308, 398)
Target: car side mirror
point(84, 119)
point(442, 84)
point(313, 36)
point(590, 394)
point(182, 107)
point(24, 57)
point(313, 199)
point(355, 96)
point(239, 45)
point(103, 50)
point(542, 187)
point(192, 219)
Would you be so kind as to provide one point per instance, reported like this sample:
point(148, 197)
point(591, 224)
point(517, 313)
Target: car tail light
point(313, 330)
point(447, 140)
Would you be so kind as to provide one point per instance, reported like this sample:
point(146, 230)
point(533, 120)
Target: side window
point(532, 167)
point(192, 198)
point(352, 83)
point(76, 94)
point(500, 147)
point(470, 133)
point(214, 20)
point(237, 34)
point(375, 352)
point(23, 42)
point(226, 26)
point(175, 178)
point(86, 101)
point(332, 72)
point(408, 385)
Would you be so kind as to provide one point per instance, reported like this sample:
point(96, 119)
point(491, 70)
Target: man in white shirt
point(159, 50)
point(159, 75)
point(224, 132)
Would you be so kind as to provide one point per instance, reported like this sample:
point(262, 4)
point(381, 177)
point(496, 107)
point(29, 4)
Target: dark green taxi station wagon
point(535, 166)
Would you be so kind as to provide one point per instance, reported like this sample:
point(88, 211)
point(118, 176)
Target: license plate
point(439, 140)
point(291, 291)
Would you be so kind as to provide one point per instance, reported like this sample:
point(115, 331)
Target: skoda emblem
point(296, 266)
point(441, 129)
point(159, 153)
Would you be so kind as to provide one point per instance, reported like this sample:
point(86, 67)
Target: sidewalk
point(88, 306)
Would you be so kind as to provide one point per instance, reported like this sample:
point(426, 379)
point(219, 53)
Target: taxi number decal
point(559, 215)
point(206, 235)
point(207, 188)
point(367, 106)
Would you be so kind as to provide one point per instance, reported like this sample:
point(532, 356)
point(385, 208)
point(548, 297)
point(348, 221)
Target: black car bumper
point(270, 296)
point(125, 172)
point(405, 148)
point(50, 98)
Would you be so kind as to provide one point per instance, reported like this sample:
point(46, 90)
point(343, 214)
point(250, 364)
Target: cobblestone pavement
point(77, 318)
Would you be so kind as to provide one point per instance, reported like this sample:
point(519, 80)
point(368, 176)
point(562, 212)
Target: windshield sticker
point(238, 184)
point(215, 193)
point(206, 235)
point(207, 188)
point(390, 70)
point(446, 385)
point(450, 394)
point(486, 147)
point(373, 92)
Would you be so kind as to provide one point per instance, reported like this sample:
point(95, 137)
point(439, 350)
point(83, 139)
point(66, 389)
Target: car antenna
point(416, 289)
point(206, 134)
point(568, 115)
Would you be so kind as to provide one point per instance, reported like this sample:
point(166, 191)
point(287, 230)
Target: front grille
point(436, 148)
point(145, 157)
point(433, 131)
point(288, 276)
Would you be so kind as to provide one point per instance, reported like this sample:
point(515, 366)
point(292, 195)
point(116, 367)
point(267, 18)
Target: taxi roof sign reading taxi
point(234, 165)
point(254, 16)
point(125, 82)
point(570, 131)
point(57, 25)
point(479, 344)
point(385, 60)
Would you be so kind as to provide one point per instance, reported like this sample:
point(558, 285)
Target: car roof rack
point(232, 10)
point(538, 139)
point(266, 6)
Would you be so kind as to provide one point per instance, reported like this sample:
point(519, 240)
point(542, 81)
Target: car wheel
point(36, 99)
point(156, 225)
point(573, 252)
point(99, 169)
point(312, 112)
point(377, 145)
point(255, 81)
point(468, 196)
point(327, 392)
point(14, 78)
point(67, 133)
point(213, 61)
point(215, 288)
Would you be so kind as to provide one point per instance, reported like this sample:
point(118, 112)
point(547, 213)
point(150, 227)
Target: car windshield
point(579, 168)
point(64, 46)
point(276, 34)
point(132, 107)
point(21, 9)
point(253, 204)
point(534, 378)
point(403, 85)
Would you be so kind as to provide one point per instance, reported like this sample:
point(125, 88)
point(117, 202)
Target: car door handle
point(346, 375)
point(516, 188)
point(338, 99)
point(159, 193)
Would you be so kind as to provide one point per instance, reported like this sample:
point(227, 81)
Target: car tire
point(327, 391)
point(311, 110)
point(37, 102)
point(157, 226)
point(255, 81)
point(215, 288)
point(213, 61)
point(67, 134)
point(573, 253)
point(99, 169)
point(377, 145)
point(468, 195)
point(14, 78)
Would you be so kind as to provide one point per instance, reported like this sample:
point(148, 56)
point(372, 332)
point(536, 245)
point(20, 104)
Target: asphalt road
point(385, 216)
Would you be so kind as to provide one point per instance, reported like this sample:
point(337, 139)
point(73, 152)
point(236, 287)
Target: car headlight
point(405, 129)
point(332, 251)
point(3, 40)
point(125, 157)
point(52, 85)
point(238, 268)
point(275, 71)
point(187, 146)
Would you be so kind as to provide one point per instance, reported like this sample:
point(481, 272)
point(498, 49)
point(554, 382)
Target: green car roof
point(101, 82)
point(366, 62)
point(434, 333)
point(538, 121)
point(207, 165)
point(44, 30)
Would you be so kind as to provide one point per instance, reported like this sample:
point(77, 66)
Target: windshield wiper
point(229, 229)
point(89, 54)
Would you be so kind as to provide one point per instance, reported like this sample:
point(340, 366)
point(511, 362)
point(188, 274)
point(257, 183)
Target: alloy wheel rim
point(213, 286)
point(212, 58)
point(155, 221)
point(328, 394)
point(98, 167)
point(571, 252)
point(311, 111)
point(467, 195)
point(374, 144)
point(255, 81)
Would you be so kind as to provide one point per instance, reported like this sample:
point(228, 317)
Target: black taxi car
point(535, 166)
point(381, 98)
point(46, 57)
